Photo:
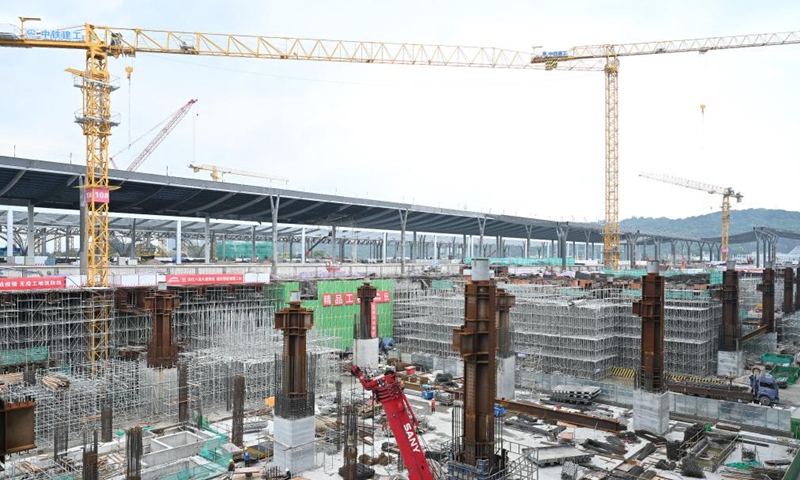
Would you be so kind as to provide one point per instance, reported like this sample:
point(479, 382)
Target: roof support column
point(224, 253)
point(178, 242)
point(334, 252)
point(435, 248)
point(9, 235)
point(303, 245)
point(562, 230)
point(403, 220)
point(253, 244)
point(384, 245)
point(672, 247)
point(528, 229)
point(758, 251)
point(275, 204)
point(30, 252)
point(414, 247)
point(133, 239)
point(481, 229)
point(464, 249)
point(586, 253)
point(206, 239)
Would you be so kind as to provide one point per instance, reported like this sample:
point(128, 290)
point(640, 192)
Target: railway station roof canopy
point(55, 185)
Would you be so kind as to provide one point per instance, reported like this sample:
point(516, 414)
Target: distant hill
point(709, 225)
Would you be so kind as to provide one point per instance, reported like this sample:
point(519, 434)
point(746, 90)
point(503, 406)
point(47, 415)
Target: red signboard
point(33, 283)
point(207, 279)
point(349, 298)
point(97, 195)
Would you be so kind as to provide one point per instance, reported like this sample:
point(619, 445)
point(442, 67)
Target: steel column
point(651, 309)
point(729, 294)
point(9, 235)
point(476, 341)
point(303, 245)
point(207, 240)
point(767, 289)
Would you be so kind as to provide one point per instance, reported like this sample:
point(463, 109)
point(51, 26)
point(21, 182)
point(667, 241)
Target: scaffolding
point(223, 331)
point(567, 330)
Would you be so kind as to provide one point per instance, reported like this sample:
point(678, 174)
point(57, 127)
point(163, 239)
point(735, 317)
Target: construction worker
point(246, 458)
point(288, 474)
point(231, 468)
point(433, 405)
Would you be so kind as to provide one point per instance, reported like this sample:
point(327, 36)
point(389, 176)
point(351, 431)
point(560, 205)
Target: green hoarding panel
point(234, 249)
point(335, 322)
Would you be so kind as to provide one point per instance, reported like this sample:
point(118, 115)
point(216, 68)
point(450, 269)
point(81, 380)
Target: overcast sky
point(521, 142)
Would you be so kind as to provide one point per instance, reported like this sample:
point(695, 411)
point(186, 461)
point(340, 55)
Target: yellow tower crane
point(726, 192)
point(606, 58)
point(218, 173)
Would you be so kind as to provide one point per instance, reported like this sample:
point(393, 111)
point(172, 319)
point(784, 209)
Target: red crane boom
point(156, 141)
point(388, 390)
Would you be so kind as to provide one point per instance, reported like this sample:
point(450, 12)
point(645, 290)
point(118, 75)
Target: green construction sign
point(233, 249)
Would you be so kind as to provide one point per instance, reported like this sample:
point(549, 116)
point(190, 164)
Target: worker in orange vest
point(433, 405)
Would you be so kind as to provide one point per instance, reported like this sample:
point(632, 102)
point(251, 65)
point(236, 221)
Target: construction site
point(161, 327)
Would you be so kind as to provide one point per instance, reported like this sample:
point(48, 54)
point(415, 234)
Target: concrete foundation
point(651, 411)
point(729, 364)
point(365, 352)
point(506, 377)
point(294, 443)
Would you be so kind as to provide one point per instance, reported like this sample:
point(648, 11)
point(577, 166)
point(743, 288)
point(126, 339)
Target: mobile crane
point(388, 390)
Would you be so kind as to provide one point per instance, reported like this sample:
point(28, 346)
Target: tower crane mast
point(605, 57)
point(726, 192)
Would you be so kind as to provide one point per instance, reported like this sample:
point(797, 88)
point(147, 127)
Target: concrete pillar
point(178, 241)
point(207, 240)
point(29, 258)
point(435, 248)
point(506, 369)
point(9, 234)
point(414, 247)
point(355, 250)
point(224, 252)
point(303, 245)
point(384, 245)
point(294, 446)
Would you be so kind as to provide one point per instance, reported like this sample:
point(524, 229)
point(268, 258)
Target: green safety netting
point(242, 249)
point(213, 452)
point(24, 356)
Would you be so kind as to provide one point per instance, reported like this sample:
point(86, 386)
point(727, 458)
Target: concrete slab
point(651, 411)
